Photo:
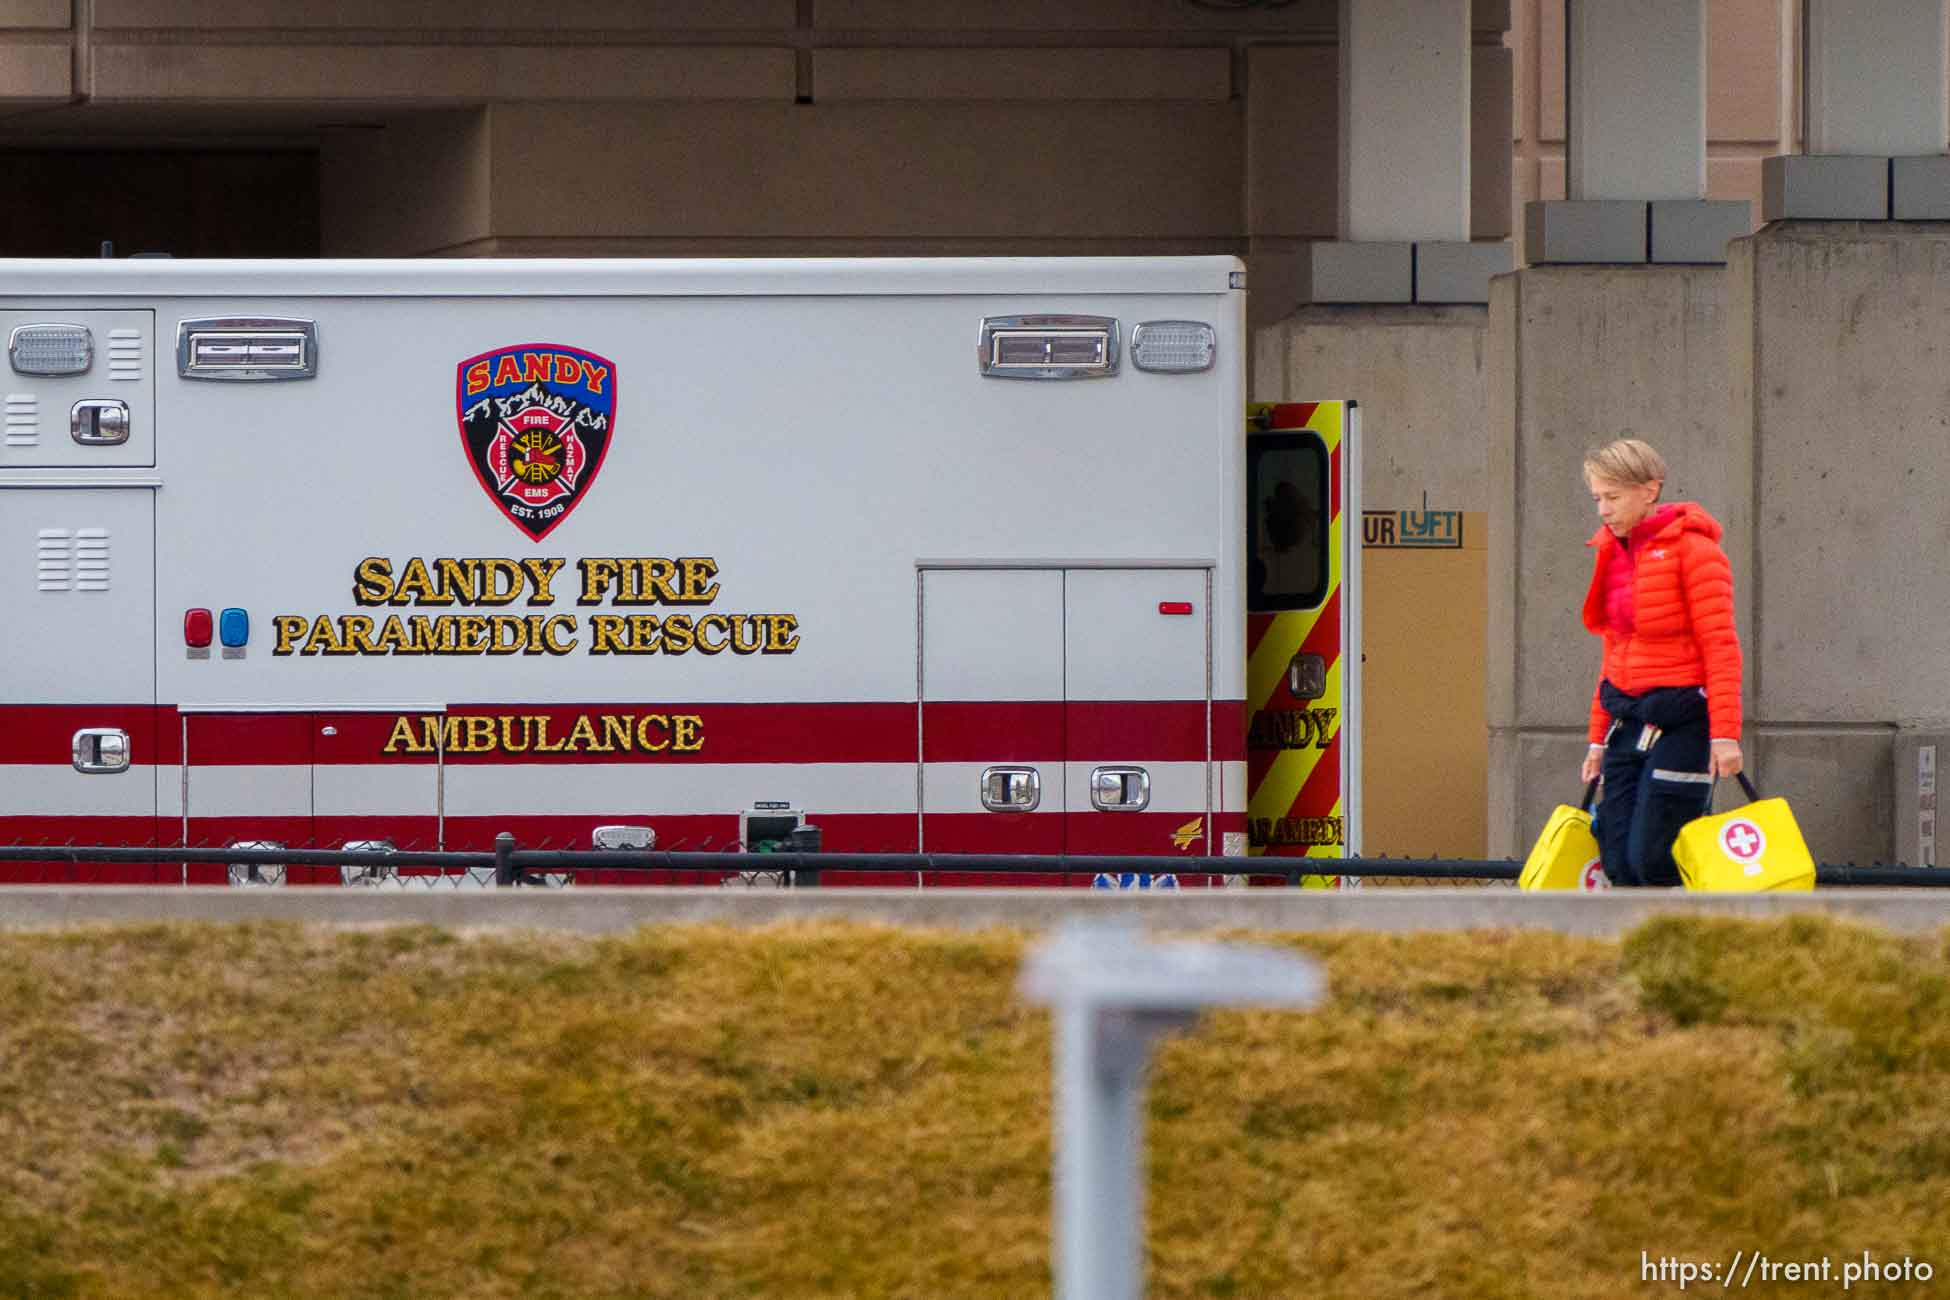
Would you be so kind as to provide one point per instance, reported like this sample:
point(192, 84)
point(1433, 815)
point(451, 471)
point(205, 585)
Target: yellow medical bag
point(1566, 854)
point(1755, 847)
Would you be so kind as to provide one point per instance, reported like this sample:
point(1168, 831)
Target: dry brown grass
point(856, 1111)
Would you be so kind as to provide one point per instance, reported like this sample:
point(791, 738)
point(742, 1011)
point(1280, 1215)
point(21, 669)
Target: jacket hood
point(1684, 517)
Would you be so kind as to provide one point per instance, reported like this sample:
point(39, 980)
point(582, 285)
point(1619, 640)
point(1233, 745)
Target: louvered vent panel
point(23, 420)
point(91, 559)
point(56, 561)
point(125, 354)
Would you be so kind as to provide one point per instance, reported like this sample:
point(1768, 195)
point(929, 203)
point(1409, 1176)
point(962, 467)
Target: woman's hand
point(1726, 758)
point(1594, 760)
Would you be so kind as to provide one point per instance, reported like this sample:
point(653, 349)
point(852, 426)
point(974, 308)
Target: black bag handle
point(1753, 795)
point(1590, 793)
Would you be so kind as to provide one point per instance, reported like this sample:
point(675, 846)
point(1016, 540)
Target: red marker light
point(197, 626)
point(1174, 607)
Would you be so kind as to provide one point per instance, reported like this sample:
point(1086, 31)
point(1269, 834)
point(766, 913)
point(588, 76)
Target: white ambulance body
point(939, 555)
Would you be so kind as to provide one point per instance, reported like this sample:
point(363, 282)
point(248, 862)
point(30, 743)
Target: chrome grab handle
point(101, 749)
point(1119, 789)
point(1011, 789)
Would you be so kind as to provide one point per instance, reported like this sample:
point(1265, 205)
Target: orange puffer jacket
point(1682, 596)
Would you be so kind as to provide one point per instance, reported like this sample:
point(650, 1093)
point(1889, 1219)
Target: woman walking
point(1665, 719)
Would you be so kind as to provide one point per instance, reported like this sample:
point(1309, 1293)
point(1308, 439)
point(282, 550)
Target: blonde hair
point(1627, 461)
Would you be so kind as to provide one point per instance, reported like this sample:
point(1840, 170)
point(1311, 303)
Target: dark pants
point(1650, 792)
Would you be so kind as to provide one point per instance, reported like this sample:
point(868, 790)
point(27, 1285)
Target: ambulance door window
point(1287, 513)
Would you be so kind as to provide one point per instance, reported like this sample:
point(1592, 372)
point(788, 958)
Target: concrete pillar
point(1635, 148)
point(1636, 99)
point(1841, 396)
point(1874, 79)
point(1405, 201)
point(1404, 120)
point(1577, 356)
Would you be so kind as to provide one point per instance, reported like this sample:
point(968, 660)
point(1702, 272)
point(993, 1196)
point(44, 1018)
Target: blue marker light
point(234, 627)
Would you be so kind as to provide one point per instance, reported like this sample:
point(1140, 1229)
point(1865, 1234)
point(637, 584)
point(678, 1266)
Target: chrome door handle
point(101, 749)
point(1011, 789)
point(1119, 789)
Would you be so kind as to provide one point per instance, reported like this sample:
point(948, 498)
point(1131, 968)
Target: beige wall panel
point(36, 73)
point(440, 160)
point(406, 74)
point(1424, 741)
point(1523, 188)
point(1014, 74)
point(35, 13)
point(1076, 15)
point(1550, 70)
point(1550, 177)
point(1736, 178)
point(863, 170)
point(1490, 73)
point(1490, 16)
point(1743, 70)
point(1523, 79)
point(1850, 405)
point(448, 15)
point(1418, 374)
point(1293, 145)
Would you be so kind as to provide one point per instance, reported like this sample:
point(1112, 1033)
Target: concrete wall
point(1578, 356)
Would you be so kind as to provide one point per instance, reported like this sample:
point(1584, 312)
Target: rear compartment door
point(310, 778)
point(79, 750)
point(992, 771)
point(377, 781)
point(1136, 718)
point(247, 781)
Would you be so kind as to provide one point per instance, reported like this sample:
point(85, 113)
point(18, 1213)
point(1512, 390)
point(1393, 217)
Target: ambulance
point(938, 555)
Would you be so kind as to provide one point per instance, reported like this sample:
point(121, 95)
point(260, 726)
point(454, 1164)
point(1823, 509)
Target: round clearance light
point(1174, 346)
point(50, 349)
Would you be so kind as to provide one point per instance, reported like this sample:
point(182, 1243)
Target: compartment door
point(378, 778)
point(247, 780)
point(79, 750)
point(1136, 646)
point(100, 414)
point(992, 702)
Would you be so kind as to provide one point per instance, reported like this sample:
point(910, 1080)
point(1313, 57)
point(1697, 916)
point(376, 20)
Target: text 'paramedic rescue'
point(617, 582)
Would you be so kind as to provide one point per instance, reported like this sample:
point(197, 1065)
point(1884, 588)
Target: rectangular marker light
point(51, 349)
point(234, 627)
point(1174, 346)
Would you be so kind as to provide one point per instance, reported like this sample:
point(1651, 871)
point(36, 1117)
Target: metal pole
point(1113, 996)
point(1102, 1056)
point(504, 860)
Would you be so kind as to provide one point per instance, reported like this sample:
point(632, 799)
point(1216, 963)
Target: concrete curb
point(592, 910)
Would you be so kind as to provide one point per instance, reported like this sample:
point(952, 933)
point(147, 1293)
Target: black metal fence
point(509, 866)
